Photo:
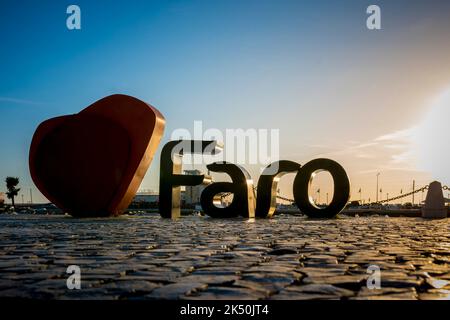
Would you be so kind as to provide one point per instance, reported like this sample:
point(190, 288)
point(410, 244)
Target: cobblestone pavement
point(288, 257)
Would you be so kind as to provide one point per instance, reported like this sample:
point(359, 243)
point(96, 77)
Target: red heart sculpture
point(91, 164)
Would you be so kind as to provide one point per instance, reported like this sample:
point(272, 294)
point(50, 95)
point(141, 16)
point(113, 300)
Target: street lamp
point(378, 174)
point(381, 193)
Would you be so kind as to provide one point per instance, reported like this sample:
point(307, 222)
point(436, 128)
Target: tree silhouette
point(11, 184)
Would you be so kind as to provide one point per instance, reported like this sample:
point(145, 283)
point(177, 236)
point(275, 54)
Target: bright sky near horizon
point(374, 100)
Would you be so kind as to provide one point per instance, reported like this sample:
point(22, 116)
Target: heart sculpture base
point(91, 164)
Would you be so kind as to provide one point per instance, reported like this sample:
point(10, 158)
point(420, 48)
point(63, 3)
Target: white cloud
point(19, 101)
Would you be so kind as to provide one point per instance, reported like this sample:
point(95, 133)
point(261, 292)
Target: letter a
point(74, 281)
point(74, 20)
point(374, 280)
point(374, 20)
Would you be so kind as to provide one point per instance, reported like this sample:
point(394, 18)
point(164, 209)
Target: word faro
point(90, 164)
point(244, 202)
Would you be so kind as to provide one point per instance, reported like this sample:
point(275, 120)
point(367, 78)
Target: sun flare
point(430, 139)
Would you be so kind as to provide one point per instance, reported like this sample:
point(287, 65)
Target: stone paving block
point(226, 293)
point(176, 290)
point(323, 289)
point(210, 279)
point(289, 257)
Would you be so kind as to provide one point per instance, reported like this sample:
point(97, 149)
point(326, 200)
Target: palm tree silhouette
point(11, 184)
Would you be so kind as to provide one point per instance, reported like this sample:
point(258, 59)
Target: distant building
point(152, 197)
point(192, 193)
point(146, 196)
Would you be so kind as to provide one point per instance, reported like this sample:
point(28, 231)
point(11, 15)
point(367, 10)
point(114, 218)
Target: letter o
point(302, 182)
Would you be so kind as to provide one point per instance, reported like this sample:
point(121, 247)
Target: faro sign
point(91, 164)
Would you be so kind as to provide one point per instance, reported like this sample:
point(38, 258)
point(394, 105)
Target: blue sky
point(309, 68)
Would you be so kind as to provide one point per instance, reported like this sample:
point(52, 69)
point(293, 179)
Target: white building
point(151, 196)
point(192, 193)
point(146, 196)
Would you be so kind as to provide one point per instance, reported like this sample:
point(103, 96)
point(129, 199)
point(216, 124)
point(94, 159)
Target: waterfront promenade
point(288, 257)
